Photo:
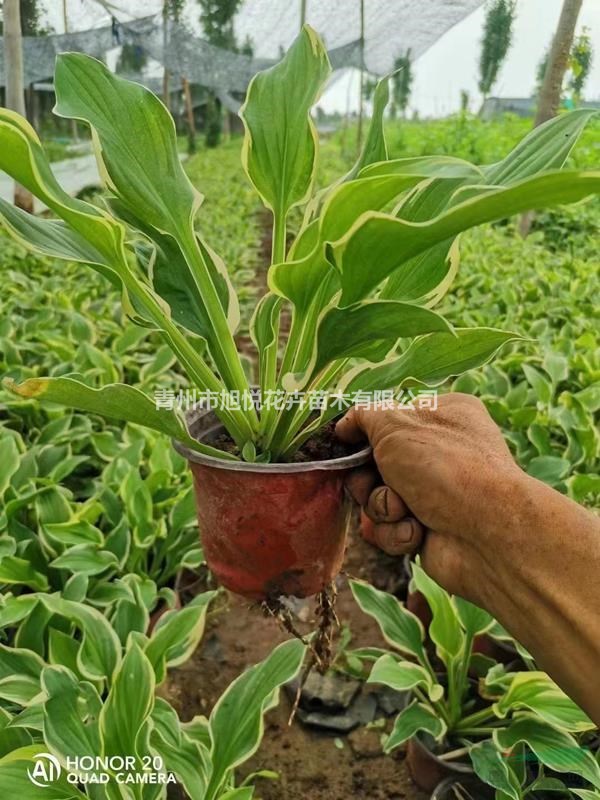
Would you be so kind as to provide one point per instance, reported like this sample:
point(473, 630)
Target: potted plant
point(375, 251)
point(453, 724)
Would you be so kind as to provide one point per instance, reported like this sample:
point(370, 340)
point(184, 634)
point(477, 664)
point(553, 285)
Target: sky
point(440, 74)
point(452, 63)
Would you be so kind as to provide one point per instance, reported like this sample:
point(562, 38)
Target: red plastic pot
point(270, 529)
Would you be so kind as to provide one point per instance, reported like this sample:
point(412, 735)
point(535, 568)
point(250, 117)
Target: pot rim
point(194, 417)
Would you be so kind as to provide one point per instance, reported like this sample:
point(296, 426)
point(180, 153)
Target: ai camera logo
point(45, 771)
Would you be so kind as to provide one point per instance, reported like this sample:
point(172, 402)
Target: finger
point(384, 505)
point(349, 428)
point(361, 482)
point(399, 538)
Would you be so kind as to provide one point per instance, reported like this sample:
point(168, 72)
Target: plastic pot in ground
point(270, 529)
point(427, 769)
point(463, 788)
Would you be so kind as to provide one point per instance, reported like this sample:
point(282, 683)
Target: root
point(274, 607)
point(320, 649)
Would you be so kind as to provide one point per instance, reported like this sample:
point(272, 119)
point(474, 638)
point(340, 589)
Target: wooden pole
point(165, 88)
point(359, 133)
point(13, 70)
point(551, 89)
point(189, 108)
point(74, 131)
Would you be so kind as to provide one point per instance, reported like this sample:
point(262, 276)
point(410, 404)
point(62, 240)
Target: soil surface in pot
point(322, 446)
point(313, 764)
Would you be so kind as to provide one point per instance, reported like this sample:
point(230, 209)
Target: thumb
point(356, 426)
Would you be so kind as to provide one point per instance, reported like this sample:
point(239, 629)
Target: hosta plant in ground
point(73, 716)
point(502, 712)
point(376, 251)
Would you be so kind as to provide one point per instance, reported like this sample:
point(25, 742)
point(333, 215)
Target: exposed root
point(275, 608)
point(319, 643)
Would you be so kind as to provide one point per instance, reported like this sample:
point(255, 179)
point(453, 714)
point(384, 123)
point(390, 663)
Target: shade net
point(391, 28)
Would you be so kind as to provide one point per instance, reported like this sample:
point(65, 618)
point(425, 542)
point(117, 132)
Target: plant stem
point(278, 240)
point(236, 421)
point(473, 720)
point(226, 356)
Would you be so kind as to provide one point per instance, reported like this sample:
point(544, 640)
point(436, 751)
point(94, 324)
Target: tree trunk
point(558, 61)
point(551, 89)
point(13, 70)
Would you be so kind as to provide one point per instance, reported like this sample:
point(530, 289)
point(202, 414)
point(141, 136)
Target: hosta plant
point(135, 516)
point(72, 717)
point(459, 717)
point(375, 252)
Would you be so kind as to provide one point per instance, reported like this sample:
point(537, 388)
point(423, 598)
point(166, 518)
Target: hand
point(443, 476)
point(487, 531)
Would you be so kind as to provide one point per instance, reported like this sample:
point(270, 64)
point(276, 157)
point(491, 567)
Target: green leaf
point(473, 619)
point(264, 330)
point(236, 722)
point(416, 717)
point(404, 676)
point(381, 244)
point(128, 706)
point(280, 145)
point(71, 714)
point(445, 629)
point(540, 384)
point(399, 627)
point(493, 769)
point(100, 651)
point(177, 635)
point(20, 672)
point(85, 559)
point(136, 146)
point(535, 691)
point(349, 332)
point(374, 148)
point(546, 147)
point(16, 782)
point(22, 157)
point(430, 360)
point(9, 461)
point(187, 758)
point(550, 469)
point(15, 570)
point(54, 238)
point(557, 750)
point(77, 531)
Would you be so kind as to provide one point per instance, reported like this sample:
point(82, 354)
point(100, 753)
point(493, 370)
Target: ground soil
point(312, 765)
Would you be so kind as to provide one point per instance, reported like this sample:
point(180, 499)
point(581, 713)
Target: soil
point(322, 446)
point(312, 764)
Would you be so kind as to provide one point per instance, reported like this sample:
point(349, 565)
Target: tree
point(580, 63)
point(497, 38)
point(401, 84)
point(13, 70)
point(217, 22)
point(554, 75)
point(132, 59)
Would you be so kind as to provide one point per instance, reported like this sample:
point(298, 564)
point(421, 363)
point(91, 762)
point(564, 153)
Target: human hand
point(443, 481)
